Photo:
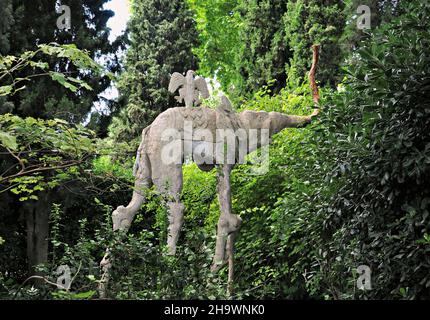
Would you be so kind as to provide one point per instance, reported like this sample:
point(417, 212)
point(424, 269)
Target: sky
point(118, 22)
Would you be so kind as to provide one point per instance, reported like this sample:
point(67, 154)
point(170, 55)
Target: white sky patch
point(117, 24)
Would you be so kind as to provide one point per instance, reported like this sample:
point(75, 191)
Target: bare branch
point(21, 163)
point(23, 173)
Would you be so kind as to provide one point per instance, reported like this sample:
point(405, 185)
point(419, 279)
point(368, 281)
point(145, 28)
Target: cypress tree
point(264, 52)
point(381, 11)
point(309, 22)
point(161, 37)
point(6, 23)
point(268, 40)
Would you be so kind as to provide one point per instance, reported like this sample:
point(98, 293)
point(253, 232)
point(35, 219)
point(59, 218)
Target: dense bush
point(376, 131)
point(354, 191)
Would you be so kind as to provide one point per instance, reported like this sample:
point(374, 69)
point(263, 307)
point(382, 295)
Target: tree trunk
point(37, 224)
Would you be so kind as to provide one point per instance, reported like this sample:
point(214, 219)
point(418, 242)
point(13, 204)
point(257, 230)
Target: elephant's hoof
point(105, 263)
point(119, 218)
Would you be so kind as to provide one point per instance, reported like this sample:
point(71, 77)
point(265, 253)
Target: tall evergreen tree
point(264, 52)
point(35, 22)
point(309, 22)
point(6, 23)
point(162, 34)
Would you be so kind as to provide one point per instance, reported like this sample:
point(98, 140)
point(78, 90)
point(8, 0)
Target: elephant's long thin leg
point(228, 223)
point(230, 254)
point(176, 219)
point(122, 217)
point(168, 179)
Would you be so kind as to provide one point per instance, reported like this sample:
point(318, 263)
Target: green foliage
point(264, 250)
point(247, 44)
point(40, 146)
point(351, 189)
point(6, 12)
point(105, 165)
point(382, 210)
point(11, 66)
point(151, 274)
point(146, 272)
point(200, 199)
point(218, 23)
point(354, 190)
point(381, 12)
point(264, 52)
